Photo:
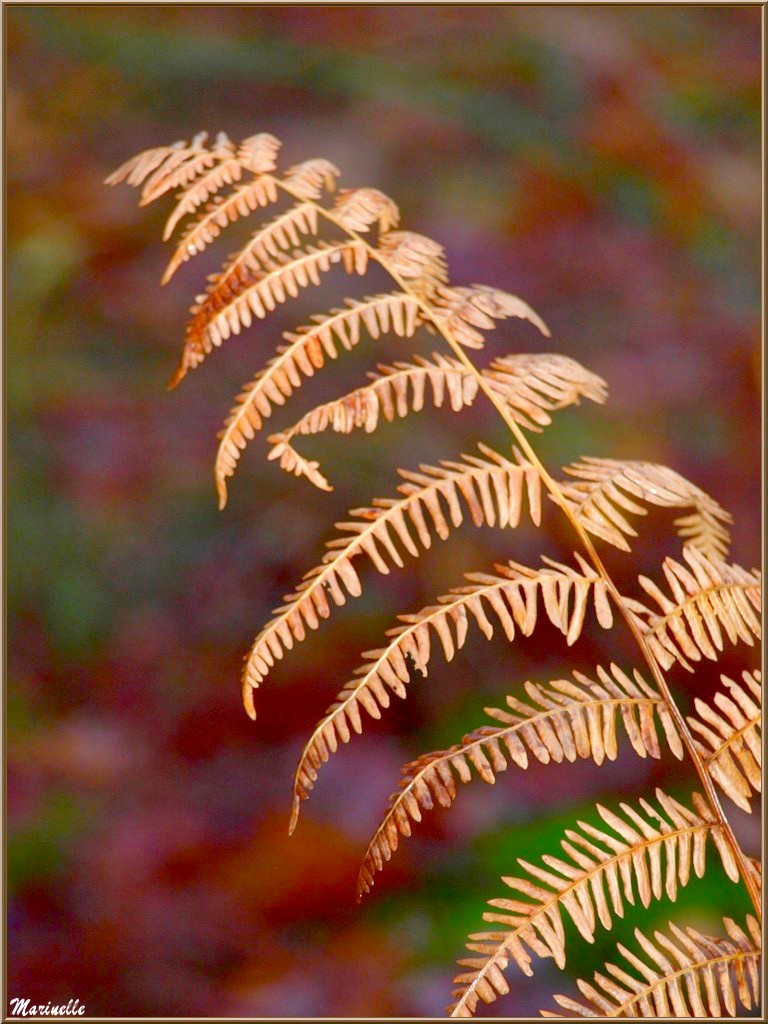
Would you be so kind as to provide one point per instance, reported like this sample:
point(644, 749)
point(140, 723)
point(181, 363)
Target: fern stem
point(557, 495)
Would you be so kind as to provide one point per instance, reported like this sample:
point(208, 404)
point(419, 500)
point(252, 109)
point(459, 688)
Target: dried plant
point(647, 851)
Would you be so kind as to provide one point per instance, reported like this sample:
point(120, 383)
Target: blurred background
point(604, 164)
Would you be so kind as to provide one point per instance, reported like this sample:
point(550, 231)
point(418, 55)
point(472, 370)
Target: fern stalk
point(557, 495)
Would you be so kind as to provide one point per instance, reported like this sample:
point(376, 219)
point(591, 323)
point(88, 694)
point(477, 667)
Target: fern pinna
point(649, 850)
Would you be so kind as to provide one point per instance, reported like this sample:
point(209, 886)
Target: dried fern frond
point(564, 720)
point(690, 975)
point(285, 232)
point(305, 353)
point(644, 850)
point(252, 298)
point(309, 179)
point(394, 391)
point(136, 170)
point(226, 173)
point(463, 310)
point(182, 165)
point(225, 210)
point(529, 384)
point(709, 597)
point(194, 170)
point(358, 209)
point(182, 173)
point(294, 462)
point(492, 489)
point(416, 259)
point(729, 738)
point(258, 153)
point(154, 164)
point(606, 489)
point(650, 852)
point(535, 385)
point(282, 277)
point(512, 595)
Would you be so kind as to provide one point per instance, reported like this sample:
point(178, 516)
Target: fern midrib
point(741, 954)
point(499, 733)
point(559, 896)
point(553, 488)
point(734, 736)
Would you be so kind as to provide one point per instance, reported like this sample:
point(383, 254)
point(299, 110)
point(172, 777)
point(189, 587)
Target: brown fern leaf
point(709, 597)
point(305, 353)
point(256, 154)
point(536, 385)
point(287, 230)
point(308, 180)
point(152, 165)
point(216, 318)
point(294, 462)
point(564, 720)
point(730, 738)
point(690, 975)
point(492, 488)
point(606, 489)
point(393, 391)
point(357, 209)
point(415, 259)
point(512, 595)
point(400, 389)
point(134, 171)
point(226, 173)
point(756, 866)
point(265, 251)
point(224, 210)
point(281, 279)
point(464, 310)
point(650, 852)
point(181, 173)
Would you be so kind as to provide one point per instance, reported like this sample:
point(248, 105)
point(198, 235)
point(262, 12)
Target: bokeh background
point(603, 163)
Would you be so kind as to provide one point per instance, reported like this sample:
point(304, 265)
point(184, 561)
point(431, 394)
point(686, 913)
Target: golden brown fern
point(463, 311)
point(304, 354)
point(709, 598)
point(530, 386)
point(564, 720)
point(729, 738)
point(492, 488)
point(606, 489)
point(282, 232)
point(690, 975)
point(511, 595)
point(221, 183)
point(650, 852)
point(533, 386)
